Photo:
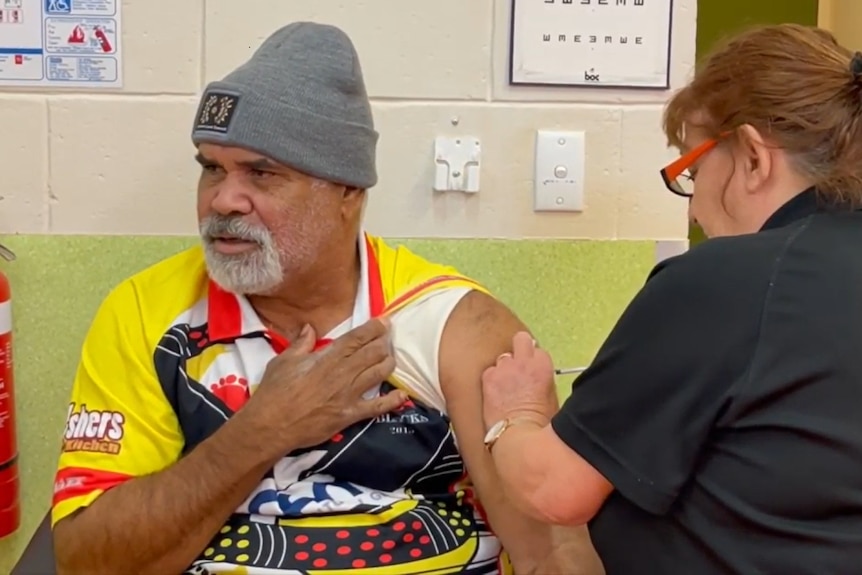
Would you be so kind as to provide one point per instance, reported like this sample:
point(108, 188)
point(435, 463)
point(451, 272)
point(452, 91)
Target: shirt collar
point(230, 316)
point(797, 208)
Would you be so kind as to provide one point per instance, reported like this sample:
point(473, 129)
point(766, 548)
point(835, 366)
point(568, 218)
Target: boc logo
point(591, 75)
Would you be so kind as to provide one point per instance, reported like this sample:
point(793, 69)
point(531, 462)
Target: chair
point(38, 557)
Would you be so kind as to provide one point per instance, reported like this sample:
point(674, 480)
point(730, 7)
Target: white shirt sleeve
point(416, 333)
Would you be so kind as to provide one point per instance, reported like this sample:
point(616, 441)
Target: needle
point(568, 370)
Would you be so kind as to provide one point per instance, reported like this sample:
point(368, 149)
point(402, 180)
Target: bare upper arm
point(479, 329)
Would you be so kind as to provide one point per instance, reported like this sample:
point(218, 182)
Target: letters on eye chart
point(591, 43)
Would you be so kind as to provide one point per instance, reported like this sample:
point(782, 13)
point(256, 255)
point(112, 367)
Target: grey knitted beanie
point(299, 100)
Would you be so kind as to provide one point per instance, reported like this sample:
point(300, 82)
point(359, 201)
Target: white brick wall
point(121, 163)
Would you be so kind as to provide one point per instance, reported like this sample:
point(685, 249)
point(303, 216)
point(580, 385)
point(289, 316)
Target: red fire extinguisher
point(10, 510)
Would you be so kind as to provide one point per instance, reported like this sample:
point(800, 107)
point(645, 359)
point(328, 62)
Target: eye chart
point(591, 43)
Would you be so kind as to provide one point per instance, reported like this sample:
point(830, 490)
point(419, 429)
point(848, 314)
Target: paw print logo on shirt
point(198, 340)
point(232, 390)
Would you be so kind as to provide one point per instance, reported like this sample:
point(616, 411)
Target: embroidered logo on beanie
point(217, 110)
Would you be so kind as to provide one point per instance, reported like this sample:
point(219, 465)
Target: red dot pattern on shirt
point(369, 547)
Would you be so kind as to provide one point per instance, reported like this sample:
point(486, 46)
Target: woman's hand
point(521, 384)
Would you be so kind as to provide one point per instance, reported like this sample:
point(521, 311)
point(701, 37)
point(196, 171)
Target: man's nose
point(231, 197)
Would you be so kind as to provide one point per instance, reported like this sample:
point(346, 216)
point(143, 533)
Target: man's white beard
point(256, 272)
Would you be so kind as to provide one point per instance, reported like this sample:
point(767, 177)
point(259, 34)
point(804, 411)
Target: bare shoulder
point(479, 329)
point(478, 311)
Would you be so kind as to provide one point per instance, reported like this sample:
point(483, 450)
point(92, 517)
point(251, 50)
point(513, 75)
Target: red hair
point(794, 84)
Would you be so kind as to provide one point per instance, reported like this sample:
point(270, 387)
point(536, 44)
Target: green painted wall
point(571, 293)
point(717, 19)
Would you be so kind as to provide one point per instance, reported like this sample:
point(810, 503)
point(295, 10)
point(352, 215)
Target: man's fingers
point(373, 375)
point(370, 354)
point(523, 344)
point(371, 408)
point(359, 337)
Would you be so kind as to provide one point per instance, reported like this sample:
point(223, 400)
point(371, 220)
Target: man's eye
point(259, 173)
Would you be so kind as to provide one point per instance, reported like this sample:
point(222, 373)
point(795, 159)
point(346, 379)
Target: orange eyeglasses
point(676, 175)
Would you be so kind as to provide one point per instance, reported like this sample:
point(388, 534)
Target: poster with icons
point(591, 43)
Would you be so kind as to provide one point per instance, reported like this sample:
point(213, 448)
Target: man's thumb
point(305, 342)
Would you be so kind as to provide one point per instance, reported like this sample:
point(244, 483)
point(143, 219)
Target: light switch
point(558, 182)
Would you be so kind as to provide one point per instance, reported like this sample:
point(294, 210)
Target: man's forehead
point(220, 153)
point(228, 156)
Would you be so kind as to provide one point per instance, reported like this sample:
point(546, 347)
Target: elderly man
point(295, 396)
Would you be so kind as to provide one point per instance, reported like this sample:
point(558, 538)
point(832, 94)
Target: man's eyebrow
point(203, 160)
point(260, 164)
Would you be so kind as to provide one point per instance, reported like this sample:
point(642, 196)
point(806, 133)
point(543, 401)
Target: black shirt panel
point(644, 408)
point(726, 407)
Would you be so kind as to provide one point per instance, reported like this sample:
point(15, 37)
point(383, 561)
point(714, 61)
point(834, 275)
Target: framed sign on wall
point(591, 43)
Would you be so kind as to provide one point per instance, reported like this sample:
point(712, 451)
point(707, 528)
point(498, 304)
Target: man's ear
point(754, 156)
point(350, 192)
point(353, 202)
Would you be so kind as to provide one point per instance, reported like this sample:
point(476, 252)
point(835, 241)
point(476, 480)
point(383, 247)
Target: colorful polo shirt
point(170, 357)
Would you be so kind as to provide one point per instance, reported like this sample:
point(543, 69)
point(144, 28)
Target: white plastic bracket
point(458, 162)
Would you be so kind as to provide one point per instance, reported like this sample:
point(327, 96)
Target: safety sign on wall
point(591, 43)
point(60, 43)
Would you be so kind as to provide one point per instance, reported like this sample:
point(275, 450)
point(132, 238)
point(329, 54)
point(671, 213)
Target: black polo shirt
point(726, 407)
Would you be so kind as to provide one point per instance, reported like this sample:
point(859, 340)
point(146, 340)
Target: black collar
point(797, 208)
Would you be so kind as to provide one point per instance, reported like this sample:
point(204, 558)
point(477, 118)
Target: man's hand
point(309, 396)
point(159, 523)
